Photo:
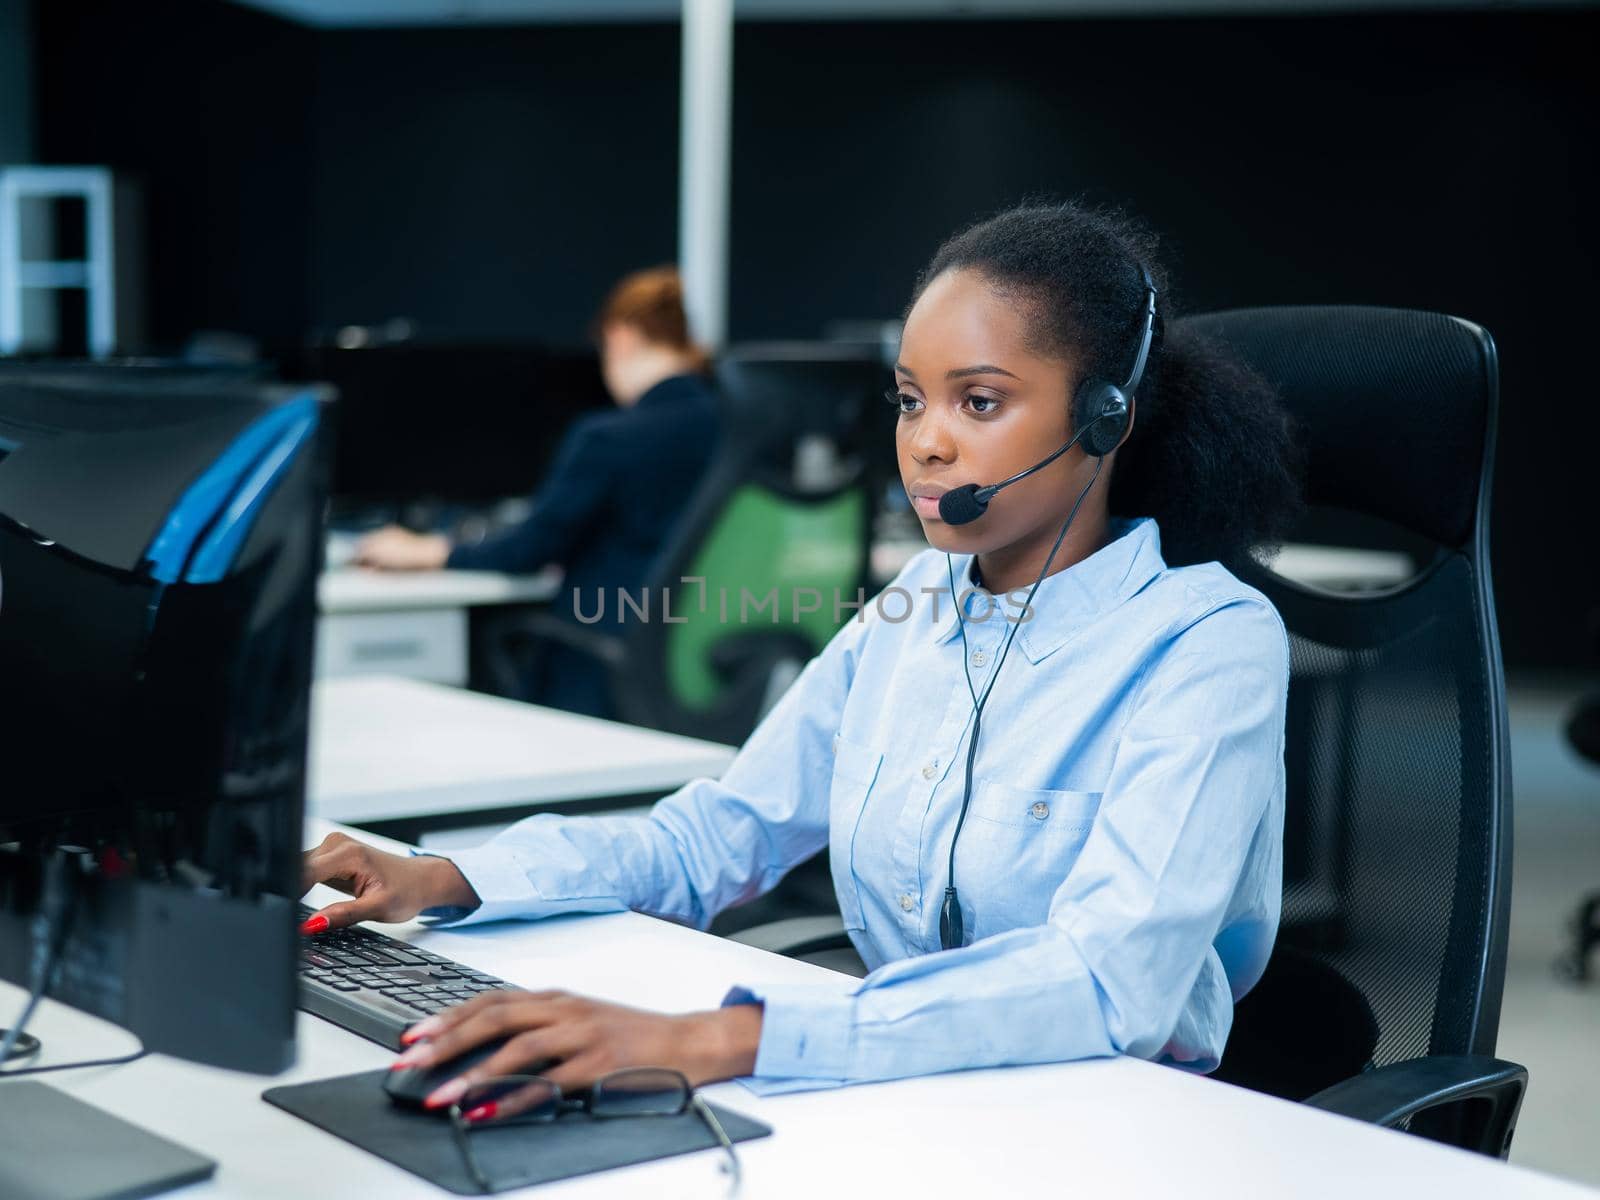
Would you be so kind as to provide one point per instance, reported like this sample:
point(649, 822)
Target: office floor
point(1550, 1026)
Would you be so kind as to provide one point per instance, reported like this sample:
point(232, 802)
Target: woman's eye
point(983, 404)
point(904, 401)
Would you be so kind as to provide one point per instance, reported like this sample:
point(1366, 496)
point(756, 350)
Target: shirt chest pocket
point(1024, 843)
point(855, 771)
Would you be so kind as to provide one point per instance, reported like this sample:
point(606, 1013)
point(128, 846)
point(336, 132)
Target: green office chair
point(1382, 999)
point(744, 594)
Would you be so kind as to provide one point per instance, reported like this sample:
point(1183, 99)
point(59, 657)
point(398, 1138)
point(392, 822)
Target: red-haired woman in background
point(617, 486)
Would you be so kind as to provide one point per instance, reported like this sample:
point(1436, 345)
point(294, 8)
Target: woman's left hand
point(583, 1038)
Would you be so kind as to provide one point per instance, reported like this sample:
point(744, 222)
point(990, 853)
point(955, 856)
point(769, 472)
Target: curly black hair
point(1212, 456)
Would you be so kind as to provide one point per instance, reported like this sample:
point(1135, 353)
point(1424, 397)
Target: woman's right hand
point(384, 887)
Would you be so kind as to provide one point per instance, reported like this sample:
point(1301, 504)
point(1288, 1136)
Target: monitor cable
point(62, 889)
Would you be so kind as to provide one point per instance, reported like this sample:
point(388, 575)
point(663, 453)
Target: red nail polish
point(397, 1065)
point(316, 924)
point(484, 1111)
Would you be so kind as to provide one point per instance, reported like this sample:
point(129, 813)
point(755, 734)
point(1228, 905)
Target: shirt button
point(906, 902)
point(932, 769)
point(1041, 810)
point(979, 658)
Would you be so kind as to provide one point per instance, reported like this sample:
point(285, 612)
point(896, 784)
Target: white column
point(704, 151)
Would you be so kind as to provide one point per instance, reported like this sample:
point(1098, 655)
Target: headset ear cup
point(1100, 412)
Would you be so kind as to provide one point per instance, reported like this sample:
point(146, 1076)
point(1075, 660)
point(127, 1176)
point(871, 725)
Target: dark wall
point(16, 82)
point(491, 183)
point(208, 105)
point(1436, 161)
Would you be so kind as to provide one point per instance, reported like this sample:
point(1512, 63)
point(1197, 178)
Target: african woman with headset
point(1080, 858)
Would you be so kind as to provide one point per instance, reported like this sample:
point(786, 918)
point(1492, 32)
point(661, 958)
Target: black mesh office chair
point(1382, 1000)
point(781, 520)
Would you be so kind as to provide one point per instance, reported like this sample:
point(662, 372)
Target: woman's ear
point(1133, 417)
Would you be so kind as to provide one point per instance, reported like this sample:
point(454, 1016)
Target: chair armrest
point(1386, 1096)
point(796, 935)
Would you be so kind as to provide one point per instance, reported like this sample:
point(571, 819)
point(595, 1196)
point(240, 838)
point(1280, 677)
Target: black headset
point(1102, 413)
point(1102, 410)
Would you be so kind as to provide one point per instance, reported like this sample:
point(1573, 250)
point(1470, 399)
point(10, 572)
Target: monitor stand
point(55, 1147)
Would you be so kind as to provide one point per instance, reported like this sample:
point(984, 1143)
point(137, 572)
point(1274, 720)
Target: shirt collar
point(1068, 600)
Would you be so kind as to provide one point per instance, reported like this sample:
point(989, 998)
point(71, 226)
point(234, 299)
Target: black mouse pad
point(356, 1109)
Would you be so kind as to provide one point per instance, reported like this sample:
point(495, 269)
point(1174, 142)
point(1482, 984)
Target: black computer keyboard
point(377, 986)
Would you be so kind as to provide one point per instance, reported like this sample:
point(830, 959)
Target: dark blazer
point(620, 481)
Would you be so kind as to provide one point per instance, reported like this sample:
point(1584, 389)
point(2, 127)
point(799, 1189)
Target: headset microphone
point(965, 504)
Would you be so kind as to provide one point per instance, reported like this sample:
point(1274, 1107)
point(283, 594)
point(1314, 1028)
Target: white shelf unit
point(29, 326)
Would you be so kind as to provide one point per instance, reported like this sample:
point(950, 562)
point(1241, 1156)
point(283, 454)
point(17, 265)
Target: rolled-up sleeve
point(1128, 960)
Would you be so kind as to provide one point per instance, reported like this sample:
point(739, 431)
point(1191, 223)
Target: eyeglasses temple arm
point(735, 1170)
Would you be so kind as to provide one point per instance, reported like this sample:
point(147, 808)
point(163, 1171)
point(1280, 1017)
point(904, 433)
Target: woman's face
point(977, 406)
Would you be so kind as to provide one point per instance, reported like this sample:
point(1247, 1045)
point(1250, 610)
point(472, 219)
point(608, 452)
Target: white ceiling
point(371, 13)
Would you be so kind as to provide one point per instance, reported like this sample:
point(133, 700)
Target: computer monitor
point(160, 540)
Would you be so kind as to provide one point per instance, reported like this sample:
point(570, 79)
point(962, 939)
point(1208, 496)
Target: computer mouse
point(409, 1086)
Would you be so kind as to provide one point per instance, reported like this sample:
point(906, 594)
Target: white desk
point(385, 749)
point(411, 623)
point(359, 590)
point(1114, 1127)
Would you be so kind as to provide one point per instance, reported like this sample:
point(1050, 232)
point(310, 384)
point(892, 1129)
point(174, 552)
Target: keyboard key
point(404, 957)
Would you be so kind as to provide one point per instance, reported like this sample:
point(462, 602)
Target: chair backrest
point(1397, 838)
point(778, 530)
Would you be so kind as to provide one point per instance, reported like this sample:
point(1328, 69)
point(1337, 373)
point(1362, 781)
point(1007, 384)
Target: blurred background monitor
point(457, 424)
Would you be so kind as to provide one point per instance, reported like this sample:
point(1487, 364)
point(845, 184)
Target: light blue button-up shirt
point(1119, 869)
